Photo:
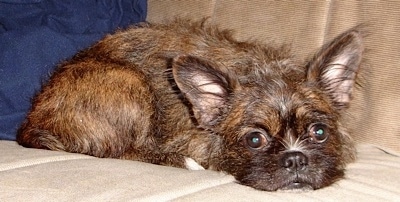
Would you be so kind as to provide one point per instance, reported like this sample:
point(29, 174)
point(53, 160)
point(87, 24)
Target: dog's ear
point(205, 87)
point(334, 68)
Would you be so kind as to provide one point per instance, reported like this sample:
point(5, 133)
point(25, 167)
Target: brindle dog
point(187, 94)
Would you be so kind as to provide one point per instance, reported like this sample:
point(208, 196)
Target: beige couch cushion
point(307, 24)
point(41, 175)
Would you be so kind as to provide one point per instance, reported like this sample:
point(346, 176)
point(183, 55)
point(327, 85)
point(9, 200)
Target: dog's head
point(279, 122)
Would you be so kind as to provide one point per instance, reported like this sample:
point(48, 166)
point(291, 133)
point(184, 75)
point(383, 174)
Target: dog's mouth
point(297, 183)
point(297, 186)
point(291, 183)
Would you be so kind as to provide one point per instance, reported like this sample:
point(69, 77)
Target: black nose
point(294, 161)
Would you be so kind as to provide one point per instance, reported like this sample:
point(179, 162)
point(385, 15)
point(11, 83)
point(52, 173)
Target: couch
point(41, 175)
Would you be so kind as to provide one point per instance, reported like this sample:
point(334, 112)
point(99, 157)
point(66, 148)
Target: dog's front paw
point(192, 164)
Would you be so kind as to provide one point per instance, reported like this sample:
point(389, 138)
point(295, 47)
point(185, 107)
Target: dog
point(187, 94)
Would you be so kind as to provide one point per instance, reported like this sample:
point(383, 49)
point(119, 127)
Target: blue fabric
point(35, 35)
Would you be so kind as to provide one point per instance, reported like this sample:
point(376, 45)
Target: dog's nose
point(294, 161)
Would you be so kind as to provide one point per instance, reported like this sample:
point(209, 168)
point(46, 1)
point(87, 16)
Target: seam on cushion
point(198, 191)
point(187, 190)
point(387, 151)
point(327, 21)
point(383, 149)
point(376, 162)
point(38, 161)
point(213, 13)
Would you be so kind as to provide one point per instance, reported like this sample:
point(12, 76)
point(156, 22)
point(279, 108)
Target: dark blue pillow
point(35, 35)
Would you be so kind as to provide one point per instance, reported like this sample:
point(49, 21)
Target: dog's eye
point(318, 132)
point(255, 139)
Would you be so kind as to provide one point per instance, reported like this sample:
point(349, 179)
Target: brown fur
point(161, 93)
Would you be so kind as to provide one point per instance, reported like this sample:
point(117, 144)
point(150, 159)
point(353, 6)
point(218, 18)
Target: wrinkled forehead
point(279, 105)
point(273, 101)
point(274, 90)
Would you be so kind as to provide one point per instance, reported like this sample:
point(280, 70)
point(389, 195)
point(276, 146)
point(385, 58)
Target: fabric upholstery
point(40, 175)
point(35, 35)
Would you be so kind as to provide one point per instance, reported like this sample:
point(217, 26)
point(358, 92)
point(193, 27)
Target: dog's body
point(166, 94)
